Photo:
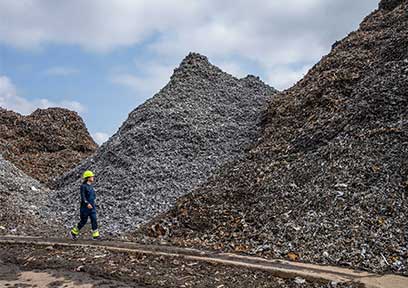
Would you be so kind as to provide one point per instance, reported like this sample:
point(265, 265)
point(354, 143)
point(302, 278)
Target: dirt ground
point(12, 276)
point(41, 266)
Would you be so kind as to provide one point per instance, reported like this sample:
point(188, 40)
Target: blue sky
point(67, 73)
point(103, 58)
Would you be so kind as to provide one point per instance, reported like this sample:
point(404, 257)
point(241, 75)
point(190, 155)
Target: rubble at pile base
point(22, 199)
point(202, 118)
point(46, 143)
point(328, 182)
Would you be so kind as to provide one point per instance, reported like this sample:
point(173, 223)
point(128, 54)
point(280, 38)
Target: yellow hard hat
point(87, 174)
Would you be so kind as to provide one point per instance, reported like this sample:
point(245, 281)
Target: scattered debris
point(293, 256)
point(299, 280)
point(80, 268)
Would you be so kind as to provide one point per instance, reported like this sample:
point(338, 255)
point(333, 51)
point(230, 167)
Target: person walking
point(88, 208)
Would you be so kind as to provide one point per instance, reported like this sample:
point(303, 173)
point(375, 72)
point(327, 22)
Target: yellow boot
point(74, 233)
point(95, 234)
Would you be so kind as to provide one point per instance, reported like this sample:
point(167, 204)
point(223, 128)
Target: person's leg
point(82, 222)
point(84, 219)
point(94, 222)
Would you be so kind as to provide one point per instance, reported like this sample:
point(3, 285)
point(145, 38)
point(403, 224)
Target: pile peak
point(194, 61)
point(194, 57)
point(390, 4)
point(195, 64)
point(54, 111)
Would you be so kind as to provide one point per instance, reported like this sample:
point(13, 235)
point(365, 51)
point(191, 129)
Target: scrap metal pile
point(200, 120)
point(21, 198)
point(46, 143)
point(328, 182)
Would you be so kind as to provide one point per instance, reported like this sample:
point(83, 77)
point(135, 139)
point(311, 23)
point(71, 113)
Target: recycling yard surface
point(13, 276)
point(127, 260)
point(137, 269)
point(228, 182)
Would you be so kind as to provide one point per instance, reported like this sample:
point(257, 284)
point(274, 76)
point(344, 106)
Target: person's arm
point(84, 198)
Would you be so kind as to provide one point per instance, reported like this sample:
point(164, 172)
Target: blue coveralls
point(88, 196)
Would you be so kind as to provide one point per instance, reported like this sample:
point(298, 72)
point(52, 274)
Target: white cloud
point(61, 71)
point(152, 77)
point(100, 137)
point(284, 77)
point(9, 99)
point(232, 68)
point(93, 24)
point(127, 80)
point(266, 33)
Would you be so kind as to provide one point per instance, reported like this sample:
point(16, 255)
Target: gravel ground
point(201, 119)
point(14, 276)
point(328, 181)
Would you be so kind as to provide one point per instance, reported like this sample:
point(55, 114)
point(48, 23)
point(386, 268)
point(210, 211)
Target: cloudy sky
point(102, 58)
